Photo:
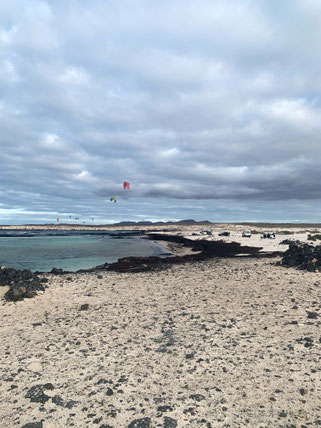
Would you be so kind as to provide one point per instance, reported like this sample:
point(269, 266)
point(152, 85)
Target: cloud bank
point(210, 109)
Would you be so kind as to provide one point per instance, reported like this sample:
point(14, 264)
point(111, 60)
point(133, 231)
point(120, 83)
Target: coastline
point(214, 342)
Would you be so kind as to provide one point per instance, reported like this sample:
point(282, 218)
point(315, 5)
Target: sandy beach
point(220, 343)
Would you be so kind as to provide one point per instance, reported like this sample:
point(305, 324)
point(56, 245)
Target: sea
point(44, 250)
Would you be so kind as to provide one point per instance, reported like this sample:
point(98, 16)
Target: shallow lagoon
point(71, 252)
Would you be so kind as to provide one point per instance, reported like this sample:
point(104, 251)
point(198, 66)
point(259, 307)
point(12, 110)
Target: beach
point(224, 342)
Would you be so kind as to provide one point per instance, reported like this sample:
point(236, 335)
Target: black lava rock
point(303, 256)
point(312, 315)
point(169, 422)
point(141, 423)
point(62, 403)
point(22, 283)
point(163, 409)
point(37, 395)
point(197, 397)
point(109, 392)
point(84, 307)
point(33, 425)
point(190, 356)
point(56, 271)
point(49, 386)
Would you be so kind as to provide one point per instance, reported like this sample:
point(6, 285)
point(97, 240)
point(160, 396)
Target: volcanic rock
point(56, 271)
point(169, 422)
point(33, 425)
point(140, 423)
point(303, 256)
point(37, 395)
point(22, 283)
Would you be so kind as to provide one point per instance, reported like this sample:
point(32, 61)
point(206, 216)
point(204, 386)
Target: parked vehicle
point(246, 234)
point(224, 234)
point(205, 232)
point(268, 235)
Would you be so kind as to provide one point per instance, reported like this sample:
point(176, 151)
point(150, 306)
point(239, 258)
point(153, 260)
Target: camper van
point(246, 234)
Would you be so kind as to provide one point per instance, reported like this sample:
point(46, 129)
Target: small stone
point(190, 356)
point(140, 423)
point(109, 392)
point(312, 315)
point(49, 386)
point(84, 307)
point(169, 422)
point(197, 397)
point(163, 409)
point(33, 425)
point(37, 395)
point(61, 402)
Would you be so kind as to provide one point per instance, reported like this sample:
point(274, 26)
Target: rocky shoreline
point(21, 284)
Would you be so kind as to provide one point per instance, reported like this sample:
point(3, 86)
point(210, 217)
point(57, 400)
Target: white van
point(246, 234)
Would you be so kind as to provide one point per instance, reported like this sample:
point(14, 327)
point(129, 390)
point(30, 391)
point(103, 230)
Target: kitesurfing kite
point(126, 185)
point(113, 199)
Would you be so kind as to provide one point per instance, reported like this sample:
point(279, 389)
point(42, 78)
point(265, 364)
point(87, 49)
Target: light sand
point(294, 233)
point(211, 344)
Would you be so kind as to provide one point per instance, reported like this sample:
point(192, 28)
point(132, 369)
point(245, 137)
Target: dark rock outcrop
point(208, 248)
point(203, 250)
point(303, 256)
point(56, 271)
point(22, 283)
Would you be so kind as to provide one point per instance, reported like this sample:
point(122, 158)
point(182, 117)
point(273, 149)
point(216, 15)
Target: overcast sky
point(210, 110)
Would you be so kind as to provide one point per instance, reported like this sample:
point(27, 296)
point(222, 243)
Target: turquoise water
point(71, 252)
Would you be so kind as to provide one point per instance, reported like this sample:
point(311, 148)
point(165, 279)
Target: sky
point(210, 109)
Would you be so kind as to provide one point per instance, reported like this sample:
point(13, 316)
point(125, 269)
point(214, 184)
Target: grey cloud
point(207, 103)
